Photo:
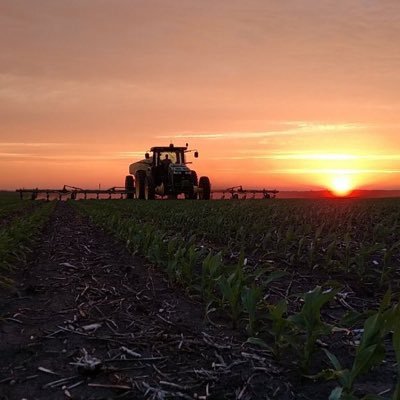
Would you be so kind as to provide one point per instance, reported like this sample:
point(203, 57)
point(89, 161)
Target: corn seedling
point(186, 266)
point(231, 288)
point(251, 298)
point(369, 353)
point(308, 321)
point(396, 347)
point(280, 327)
point(211, 272)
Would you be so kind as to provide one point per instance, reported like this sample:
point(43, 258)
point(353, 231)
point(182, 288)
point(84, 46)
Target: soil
point(89, 320)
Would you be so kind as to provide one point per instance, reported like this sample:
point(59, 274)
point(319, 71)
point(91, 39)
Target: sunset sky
point(278, 94)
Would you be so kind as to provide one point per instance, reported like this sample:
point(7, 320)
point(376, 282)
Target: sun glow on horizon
point(341, 185)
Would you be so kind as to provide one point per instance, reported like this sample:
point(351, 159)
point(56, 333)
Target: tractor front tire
point(129, 187)
point(205, 188)
point(189, 191)
point(195, 181)
point(149, 189)
point(140, 178)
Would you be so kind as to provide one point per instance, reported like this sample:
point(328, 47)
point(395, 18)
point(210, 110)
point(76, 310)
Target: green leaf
point(259, 342)
point(351, 318)
point(274, 276)
point(386, 301)
point(366, 359)
point(333, 359)
point(336, 393)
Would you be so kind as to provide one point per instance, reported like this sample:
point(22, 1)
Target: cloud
point(33, 144)
point(287, 128)
point(12, 155)
point(327, 171)
point(316, 157)
point(130, 154)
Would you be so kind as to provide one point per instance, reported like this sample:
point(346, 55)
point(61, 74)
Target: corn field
point(276, 269)
point(312, 283)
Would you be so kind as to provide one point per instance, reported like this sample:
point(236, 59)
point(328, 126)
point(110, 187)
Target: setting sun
point(341, 185)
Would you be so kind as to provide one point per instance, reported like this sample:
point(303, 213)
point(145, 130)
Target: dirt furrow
point(90, 321)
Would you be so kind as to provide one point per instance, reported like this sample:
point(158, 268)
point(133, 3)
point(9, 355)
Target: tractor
point(165, 173)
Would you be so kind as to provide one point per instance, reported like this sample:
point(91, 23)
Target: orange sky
point(285, 95)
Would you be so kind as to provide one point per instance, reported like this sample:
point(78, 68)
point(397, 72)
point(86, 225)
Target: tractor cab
point(166, 162)
point(175, 155)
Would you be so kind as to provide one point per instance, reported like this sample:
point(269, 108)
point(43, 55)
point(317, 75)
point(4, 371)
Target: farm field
point(280, 299)
point(20, 223)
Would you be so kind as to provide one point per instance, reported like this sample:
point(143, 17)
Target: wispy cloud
point(316, 157)
point(288, 128)
point(329, 171)
point(130, 154)
point(70, 157)
point(33, 144)
point(12, 155)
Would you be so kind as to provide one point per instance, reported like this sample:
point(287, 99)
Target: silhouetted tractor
point(165, 173)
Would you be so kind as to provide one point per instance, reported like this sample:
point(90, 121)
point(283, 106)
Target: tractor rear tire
point(129, 186)
point(140, 178)
point(149, 189)
point(205, 188)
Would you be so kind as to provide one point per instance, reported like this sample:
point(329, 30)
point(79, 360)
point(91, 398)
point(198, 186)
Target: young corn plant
point(157, 250)
point(308, 321)
point(212, 269)
point(231, 288)
point(251, 297)
point(175, 252)
point(186, 266)
point(396, 347)
point(387, 262)
point(369, 353)
point(252, 301)
point(174, 268)
point(280, 327)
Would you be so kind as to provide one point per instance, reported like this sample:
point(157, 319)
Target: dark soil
point(87, 320)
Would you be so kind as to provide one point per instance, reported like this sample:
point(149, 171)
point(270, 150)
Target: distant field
point(6, 196)
point(20, 222)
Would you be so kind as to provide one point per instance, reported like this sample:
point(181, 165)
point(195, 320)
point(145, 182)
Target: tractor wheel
point(129, 186)
point(195, 181)
point(189, 190)
point(149, 192)
point(191, 195)
point(140, 178)
point(205, 188)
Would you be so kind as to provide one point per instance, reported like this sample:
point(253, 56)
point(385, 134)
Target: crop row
point(240, 296)
point(352, 236)
point(10, 205)
point(17, 237)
